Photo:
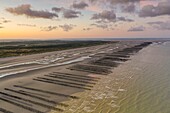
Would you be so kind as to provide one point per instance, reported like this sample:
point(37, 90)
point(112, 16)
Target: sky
point(64, 19)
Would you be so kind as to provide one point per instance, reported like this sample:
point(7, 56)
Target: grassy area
point(8, 49)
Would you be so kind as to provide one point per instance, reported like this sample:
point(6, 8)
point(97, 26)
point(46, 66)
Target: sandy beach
point(52, 81)
point(84, 56)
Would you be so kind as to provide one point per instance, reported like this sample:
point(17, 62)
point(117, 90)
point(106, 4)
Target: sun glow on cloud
point(42, 19)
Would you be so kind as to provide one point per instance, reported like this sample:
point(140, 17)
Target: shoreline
point(67, 82)
point(97, 99)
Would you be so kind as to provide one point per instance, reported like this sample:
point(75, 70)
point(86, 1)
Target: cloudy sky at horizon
point(49, 19)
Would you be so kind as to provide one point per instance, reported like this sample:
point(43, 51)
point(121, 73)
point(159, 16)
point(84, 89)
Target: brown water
point(149, 89)
point(141, 85)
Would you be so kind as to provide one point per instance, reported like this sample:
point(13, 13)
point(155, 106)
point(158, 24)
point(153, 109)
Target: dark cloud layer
point(124, 19)
point(80, 5)
point(163, 8)
point(56, 9)
point(105, 15)
point(26, 10)
point(67, 13)
point(106, 19)
point(129, 8)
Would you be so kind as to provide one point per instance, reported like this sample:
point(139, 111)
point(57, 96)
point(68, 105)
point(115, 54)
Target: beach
point(140, 85)
point(52, 82)
point(88, 56)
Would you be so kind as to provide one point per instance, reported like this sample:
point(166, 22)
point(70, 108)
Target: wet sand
point(51, 81)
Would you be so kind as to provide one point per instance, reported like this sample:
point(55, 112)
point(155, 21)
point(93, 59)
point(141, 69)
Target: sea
point(140, 85)
point(148, 87)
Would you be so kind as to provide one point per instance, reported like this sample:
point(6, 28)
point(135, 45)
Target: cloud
point(103, 26)
point(67, 27)
point(136, 29)
point(105, 16)
point(80, 5)
point(160, 25)
point(129, 8)
point(155, 23)
point(27, 25)
point(1, 27)
point(3, 20)
point(49, 28)
point(6, 21)
point(163, 8)
point(68, 13)
point(124, 19)
point(87, 29)
point(106, 19)
point(121, 1)
point(26, 10)
point(56, 9)
point(113, 2)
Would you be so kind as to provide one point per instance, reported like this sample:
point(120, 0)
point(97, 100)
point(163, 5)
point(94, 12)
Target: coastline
point(67, 84)
point(107, 94)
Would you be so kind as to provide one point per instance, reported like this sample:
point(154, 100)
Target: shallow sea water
point(149, 89)
point(140, 85)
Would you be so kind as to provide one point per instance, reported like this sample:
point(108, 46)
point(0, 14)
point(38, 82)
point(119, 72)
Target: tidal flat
point(95, 79)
